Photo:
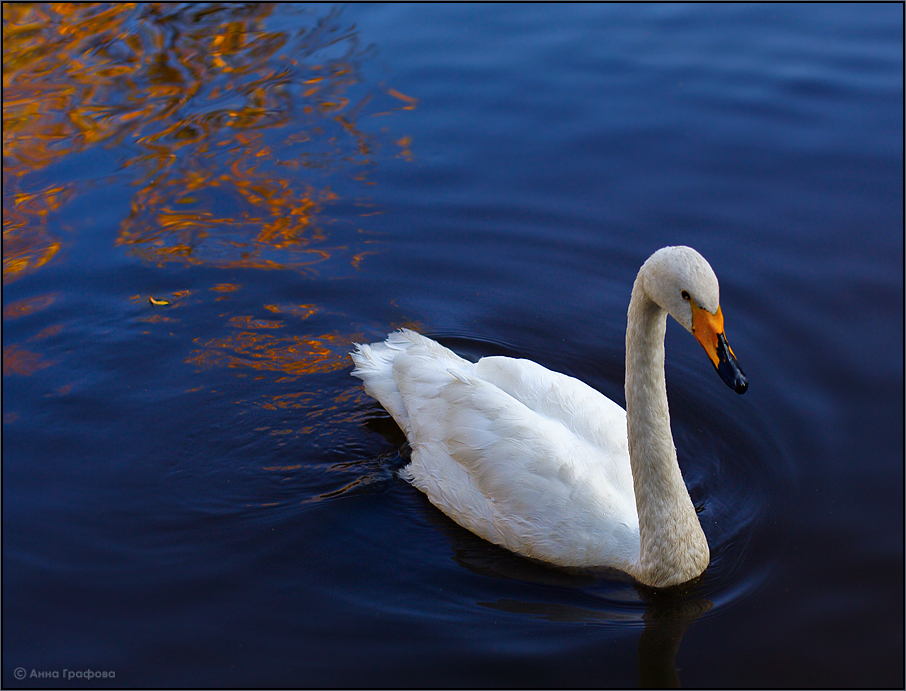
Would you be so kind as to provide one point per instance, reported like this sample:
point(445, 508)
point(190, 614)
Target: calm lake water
point(203, 208)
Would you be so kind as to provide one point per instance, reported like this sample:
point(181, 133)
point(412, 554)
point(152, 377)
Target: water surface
point(205, 206)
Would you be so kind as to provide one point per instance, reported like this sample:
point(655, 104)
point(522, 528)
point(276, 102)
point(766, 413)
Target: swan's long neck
point(673, 548)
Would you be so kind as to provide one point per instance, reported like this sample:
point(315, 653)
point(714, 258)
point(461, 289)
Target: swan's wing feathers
point(506, 472)
point(583, 410)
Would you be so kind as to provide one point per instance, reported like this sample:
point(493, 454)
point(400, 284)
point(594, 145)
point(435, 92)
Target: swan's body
point(544, 465)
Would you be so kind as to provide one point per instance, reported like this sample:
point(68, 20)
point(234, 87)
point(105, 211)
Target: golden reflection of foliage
point(26, 243)
point(300, 311)
point(47, 332)
point(271, 226)
point(17, 360)
point(294, 356)
point(310, 400)
point(256, 347)
point(252, 323)
point(40, 123)
point(22, 308)
point(213, 106)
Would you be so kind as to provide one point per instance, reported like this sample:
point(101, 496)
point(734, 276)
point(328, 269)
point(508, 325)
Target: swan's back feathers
point(529, 459)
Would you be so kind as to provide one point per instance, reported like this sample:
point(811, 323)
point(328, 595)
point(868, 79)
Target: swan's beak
point(708, 329)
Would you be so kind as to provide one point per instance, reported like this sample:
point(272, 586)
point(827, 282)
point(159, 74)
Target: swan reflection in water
point(665, 613)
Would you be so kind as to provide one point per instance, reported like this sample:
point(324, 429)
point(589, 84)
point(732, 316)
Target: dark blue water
point(197, 493)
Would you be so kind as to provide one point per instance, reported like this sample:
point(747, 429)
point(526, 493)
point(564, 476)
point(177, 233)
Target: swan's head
point(683, 283)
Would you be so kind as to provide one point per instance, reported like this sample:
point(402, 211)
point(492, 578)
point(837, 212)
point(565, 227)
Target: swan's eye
point(685, 295)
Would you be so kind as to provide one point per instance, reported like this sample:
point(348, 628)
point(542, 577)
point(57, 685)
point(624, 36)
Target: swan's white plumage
point(520, 455)
point(539, 462)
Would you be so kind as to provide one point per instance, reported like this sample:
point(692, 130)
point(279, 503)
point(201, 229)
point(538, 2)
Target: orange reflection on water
point(17, 360)
point(227, 126)
point(46, 85)
point(410, 102)
point(230, 140)
point(252, 323)
point(26, 243)
point(300, 311)
point(293, 356)
point(22, 308)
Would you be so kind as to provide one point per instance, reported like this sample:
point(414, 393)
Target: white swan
point(544, 465)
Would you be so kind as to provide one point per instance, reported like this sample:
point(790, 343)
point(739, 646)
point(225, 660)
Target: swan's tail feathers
point(381, 366)
point(374, 366)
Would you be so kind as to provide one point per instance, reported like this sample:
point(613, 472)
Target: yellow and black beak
point(708, 329)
